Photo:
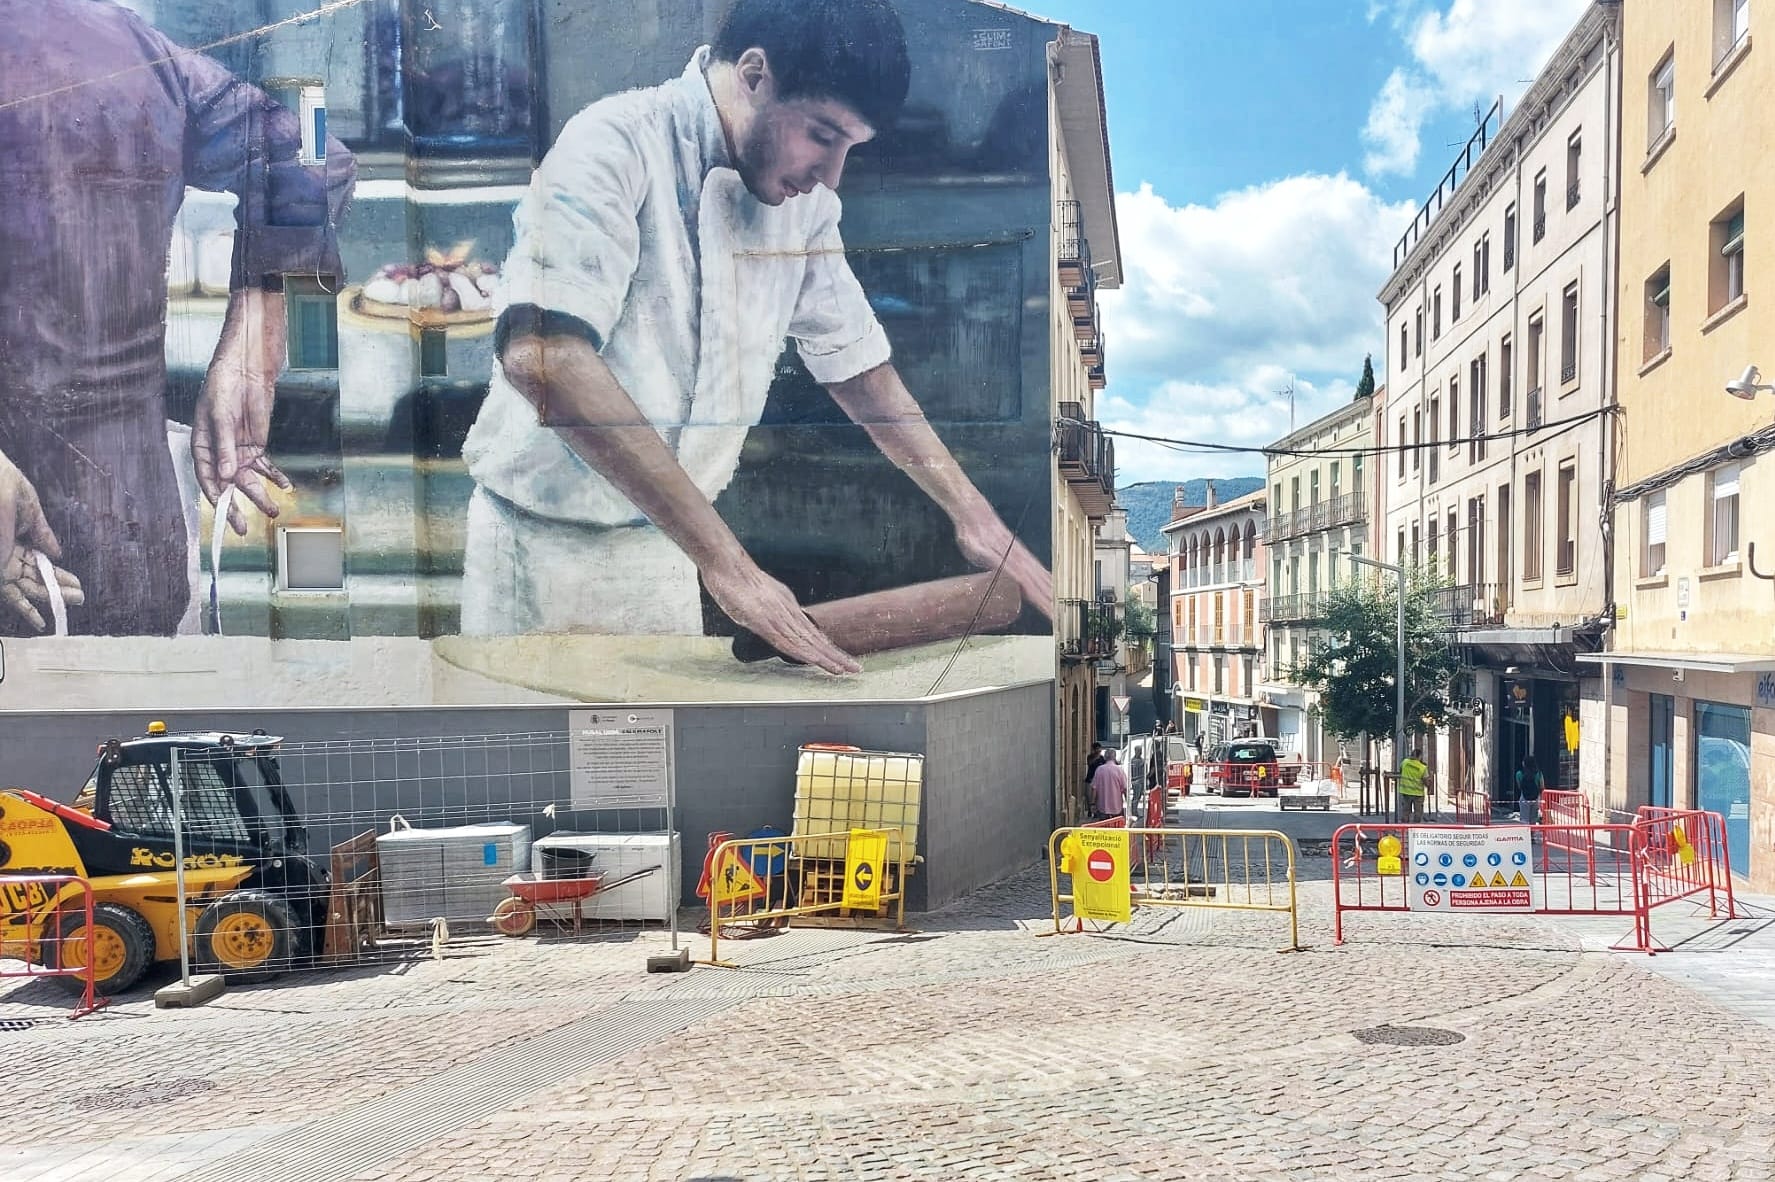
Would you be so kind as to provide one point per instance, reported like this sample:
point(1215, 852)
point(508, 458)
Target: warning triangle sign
point(734, 881)
point(1519, 880)
point(1497, 878)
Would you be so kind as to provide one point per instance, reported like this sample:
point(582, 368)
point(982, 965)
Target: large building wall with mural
point(542, 333)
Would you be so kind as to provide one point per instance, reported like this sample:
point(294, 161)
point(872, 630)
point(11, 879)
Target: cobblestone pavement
point(1185, 1046)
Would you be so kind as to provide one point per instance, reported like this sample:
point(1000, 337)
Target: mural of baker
point(668, 244)
point(103, 124)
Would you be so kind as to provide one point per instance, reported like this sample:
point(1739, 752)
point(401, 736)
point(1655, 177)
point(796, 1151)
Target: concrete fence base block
point(182, 995)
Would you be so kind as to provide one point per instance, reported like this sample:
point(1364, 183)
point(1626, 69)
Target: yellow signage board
point(865, 859)
point(734, 881)
point(1195, 705)
point(1100, 876)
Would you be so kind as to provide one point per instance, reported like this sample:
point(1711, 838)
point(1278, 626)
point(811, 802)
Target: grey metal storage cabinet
point(456, 873)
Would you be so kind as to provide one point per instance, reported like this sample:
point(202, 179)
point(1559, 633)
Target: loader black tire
point(246, 936)
point(124, 943)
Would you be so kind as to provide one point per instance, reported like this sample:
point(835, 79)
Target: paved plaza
point(1184, 1046)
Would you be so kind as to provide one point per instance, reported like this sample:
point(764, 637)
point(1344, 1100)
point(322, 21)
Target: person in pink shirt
point(1109, 787)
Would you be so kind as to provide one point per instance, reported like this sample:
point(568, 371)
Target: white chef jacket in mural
point(636, 224)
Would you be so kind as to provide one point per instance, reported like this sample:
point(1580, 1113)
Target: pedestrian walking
point(1109, 789)
point(1529, 784)
point(1137, 769)
point(1414, 781)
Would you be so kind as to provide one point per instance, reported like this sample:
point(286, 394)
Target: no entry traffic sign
point(1101, 865)
point(1101, 892)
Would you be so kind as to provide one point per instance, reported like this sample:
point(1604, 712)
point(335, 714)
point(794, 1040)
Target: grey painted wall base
point(988, 770)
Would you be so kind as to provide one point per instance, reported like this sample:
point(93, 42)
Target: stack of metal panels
point(456, 873)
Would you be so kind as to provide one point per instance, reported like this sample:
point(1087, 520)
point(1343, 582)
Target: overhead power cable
point(1551, 429)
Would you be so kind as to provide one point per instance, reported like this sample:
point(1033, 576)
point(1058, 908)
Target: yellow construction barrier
point(763, 880)
point(1113, 871)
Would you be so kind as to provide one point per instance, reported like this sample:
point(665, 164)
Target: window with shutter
point(1722, 547)
point(1652, 557)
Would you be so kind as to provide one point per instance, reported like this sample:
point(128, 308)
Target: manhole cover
point(1410, 1036)
point(143, 1095)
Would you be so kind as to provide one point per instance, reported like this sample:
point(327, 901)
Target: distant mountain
point(1149, 504)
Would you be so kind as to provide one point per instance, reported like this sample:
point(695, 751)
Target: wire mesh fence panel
point(331, 852)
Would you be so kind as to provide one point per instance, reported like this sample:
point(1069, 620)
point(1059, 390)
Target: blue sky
point(1267, 154)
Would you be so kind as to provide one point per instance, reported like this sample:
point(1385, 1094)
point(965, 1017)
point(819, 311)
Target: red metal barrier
point(1608, 883)
point(34, 910)
point(1664, 856)
point(1684, 853)
point(1239, 779)
point(1471, 807)
point(1570, 812)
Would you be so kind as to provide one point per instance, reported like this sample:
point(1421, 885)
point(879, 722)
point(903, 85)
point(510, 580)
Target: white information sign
point(1471, 870)
point(620, 758)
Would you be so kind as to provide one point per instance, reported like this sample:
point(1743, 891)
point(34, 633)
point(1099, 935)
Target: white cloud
point(1249, 412)
point(1394, 121)
point(1222, 305)
point(1470, 52)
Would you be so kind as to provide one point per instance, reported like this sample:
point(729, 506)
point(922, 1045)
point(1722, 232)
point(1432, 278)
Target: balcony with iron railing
point(1072, 252)
point(1471, 605)
point(1540, 227)
point(1568, 373)
point(1087, 460)
point(1081, 298)
point(1087, 630)
point(1343, 509)
point(1534, 409)
point(1349, 508)
point(1571, 195)
point(1301, 607)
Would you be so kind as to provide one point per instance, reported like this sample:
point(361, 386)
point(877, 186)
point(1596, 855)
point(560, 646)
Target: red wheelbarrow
point(531, 894)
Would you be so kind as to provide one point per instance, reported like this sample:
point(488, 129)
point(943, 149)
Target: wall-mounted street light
point(1748, 387)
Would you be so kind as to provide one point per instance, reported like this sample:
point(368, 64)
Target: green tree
point(1365, 385)
point(1141, 624)
point(1356, 672)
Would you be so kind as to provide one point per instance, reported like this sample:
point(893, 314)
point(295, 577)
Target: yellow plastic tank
point(840, 790)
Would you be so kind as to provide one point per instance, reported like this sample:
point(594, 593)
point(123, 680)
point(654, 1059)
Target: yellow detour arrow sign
point(1100, 876)
point(864, 856)
point(734, 881)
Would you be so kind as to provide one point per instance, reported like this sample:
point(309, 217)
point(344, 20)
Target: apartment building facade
point(1690, 676)
point(1318, 516)
point(1217, 588)
point(1087, 259)
point(1121, 672)
point(1500, 326)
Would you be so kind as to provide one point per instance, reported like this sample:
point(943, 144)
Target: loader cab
point(233, 798)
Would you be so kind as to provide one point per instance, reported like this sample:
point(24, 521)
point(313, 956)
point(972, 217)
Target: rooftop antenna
point(1288, 392)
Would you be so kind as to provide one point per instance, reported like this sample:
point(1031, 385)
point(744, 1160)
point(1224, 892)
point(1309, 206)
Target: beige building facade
point(1499, 392)
point(1087, 259)
point(1319, 514)
point(1690, 677)
point(1217, 591)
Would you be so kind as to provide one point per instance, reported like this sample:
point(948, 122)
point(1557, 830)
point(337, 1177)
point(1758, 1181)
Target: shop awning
point(1698, 662)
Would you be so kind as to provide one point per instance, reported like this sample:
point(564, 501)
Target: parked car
point(1247, 767)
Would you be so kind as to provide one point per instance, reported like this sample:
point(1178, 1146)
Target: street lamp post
point(1399, 677)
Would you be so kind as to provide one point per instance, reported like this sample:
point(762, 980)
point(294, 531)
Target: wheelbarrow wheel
point(514, 917)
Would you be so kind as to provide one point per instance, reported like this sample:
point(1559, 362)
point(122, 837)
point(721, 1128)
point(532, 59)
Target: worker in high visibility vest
point(1414, 781)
